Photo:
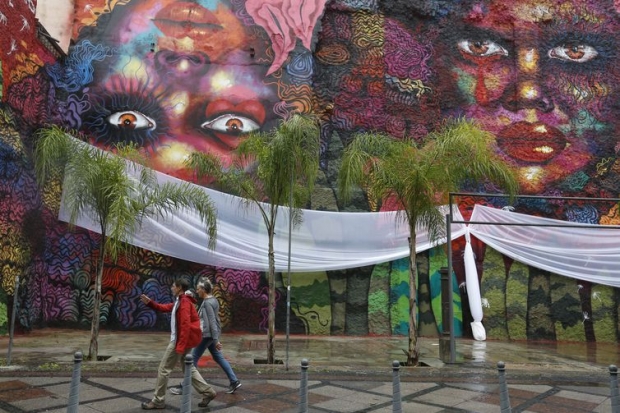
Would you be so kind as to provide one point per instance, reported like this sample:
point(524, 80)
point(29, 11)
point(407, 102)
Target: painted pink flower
point(285, 21)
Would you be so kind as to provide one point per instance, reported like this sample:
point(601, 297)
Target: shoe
point(206, 400)
point(176, 390)
point(152, 406)
point(233, 386)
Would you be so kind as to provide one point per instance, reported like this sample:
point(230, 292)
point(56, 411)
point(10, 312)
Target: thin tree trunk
point(271, 321)
point(412, 350)
point(93, 349)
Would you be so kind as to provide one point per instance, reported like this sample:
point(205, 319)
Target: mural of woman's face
point(540, 75)
point(181, 76)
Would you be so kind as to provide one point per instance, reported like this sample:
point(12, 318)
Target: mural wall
point(176, 76)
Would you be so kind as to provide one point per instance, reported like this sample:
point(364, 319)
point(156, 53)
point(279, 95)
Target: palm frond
point(116, 191)
point(52, 150)
point(419, 179)
point(462, 151)
point(365, 157)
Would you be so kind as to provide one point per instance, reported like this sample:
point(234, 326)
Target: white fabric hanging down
point(324, 241)
point(590, 254)
point(473, 291)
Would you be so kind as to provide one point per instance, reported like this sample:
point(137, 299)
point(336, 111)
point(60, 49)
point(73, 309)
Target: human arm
point(165, 308)
point(183, 324)
point(211, 307)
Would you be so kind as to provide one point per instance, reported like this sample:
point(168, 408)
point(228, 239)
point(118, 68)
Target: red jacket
point(188, 331)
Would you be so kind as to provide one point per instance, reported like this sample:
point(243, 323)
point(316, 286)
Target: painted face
point(540, 75)
point(182, 76)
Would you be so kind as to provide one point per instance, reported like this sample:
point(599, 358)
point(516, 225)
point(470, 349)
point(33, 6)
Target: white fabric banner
point(324, 240)
point(338, 240)
point(588, 252)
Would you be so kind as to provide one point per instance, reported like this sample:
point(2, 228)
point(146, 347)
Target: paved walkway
point(346, 374)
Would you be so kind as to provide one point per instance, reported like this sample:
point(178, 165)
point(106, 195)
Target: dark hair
point(182, 283)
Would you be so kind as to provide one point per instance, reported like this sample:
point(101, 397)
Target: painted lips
point(186, 19)
point(531, 142)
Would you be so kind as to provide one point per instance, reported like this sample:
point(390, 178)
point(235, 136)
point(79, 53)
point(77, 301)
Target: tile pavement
point(354, 394)
point(346, 374)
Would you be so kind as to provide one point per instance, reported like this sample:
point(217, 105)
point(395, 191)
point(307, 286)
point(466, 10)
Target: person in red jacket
point(185, 335)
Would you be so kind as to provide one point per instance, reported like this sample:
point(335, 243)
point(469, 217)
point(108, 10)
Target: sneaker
point(152, 406)
point(206, 400)
point(233, 386)
point(177, 390)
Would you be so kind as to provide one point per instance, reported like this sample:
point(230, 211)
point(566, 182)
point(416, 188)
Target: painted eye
point(578, 53)
point(231, 124)
point(484, 48)
point(131, 120)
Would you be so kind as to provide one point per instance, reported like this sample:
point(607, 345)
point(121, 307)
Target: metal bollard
point(186, 402)
point(504, 398)
point(303, 387)
point(613, 386)
point(74, 392)
point(396, 405)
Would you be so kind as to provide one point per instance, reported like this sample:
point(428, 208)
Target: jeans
point(218, 357)
point(168, 362)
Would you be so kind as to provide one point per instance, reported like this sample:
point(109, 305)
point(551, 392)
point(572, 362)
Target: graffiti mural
point(540, 75)
point(157, 74)
point(25, 99)
point(177, 76)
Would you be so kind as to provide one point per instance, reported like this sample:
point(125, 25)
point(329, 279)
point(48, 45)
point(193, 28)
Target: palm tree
point(418, 179)
point(115, 192)
point(268, 170)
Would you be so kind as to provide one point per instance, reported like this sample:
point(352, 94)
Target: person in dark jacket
point(185, 335)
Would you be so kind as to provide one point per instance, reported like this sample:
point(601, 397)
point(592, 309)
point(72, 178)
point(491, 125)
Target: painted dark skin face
point(541, 77)
point(181, 79)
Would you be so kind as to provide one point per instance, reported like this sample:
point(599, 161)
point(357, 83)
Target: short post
point(186, 402)
point(504, 398)
point(613, 386)
point(12, 326)
point(74, 392)
point(396, 405)
point(444, 340)
point(303, 387)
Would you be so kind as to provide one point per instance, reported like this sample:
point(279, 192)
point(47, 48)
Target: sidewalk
point(345, 374)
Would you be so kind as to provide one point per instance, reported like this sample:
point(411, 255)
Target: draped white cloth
point(324, 241)
point(581, 251)
point(339, 240)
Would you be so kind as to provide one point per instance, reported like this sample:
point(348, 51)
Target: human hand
point(145, 299)
point(218, 346)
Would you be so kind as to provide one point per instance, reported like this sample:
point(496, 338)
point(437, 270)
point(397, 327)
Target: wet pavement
point(345, 374)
